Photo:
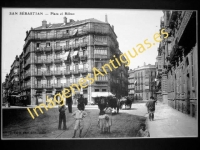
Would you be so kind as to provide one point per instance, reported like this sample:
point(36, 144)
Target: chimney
point(65, 20)
point(26, 33)
point(71, 20)
point(144, 64)
point(44, 23)
point(106, 19)
point(113, 27)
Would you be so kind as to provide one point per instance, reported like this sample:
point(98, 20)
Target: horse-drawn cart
point(104, 100)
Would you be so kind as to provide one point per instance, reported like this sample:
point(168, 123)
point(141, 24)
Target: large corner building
point(84, 44)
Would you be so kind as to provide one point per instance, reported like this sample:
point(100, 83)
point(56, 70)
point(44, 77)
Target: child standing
point(101, 121)
point(79, 123)
point(108, 118)
point(143, 132)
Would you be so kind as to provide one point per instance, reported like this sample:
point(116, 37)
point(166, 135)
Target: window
point(58, 56)
point(96, 90)
point(76, 68)
point(39, 82)
point(67, 31)
point(58, 81)
point(84, 40)
point(103, 90)
point(38, 45)
point(47, 44)
point(48, 82)
point(57, 44)
point(67, 68)
point(48, 68)
point(76, 41)
point(39, 69)
point(57, 67)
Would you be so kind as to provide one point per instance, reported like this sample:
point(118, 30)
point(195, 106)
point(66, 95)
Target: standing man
point(69, 103)
point(151, 108)
point(81, 102)
point(62, 116)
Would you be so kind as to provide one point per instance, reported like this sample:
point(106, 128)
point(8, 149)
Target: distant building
point(142, 82)
point(57, 55)
point(178, 62)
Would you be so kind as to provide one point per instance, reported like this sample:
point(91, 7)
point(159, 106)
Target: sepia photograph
point(84, 73)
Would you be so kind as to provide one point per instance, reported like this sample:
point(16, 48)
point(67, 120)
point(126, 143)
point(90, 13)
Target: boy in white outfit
point(79, 123)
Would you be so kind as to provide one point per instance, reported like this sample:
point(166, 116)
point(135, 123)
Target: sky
point(132, 27)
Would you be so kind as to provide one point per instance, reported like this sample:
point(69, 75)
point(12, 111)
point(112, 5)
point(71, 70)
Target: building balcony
point(83, 44)
point(27, 64)
point(38, 86)
point(68, 60)
point(27, 52)
point(66, 85)
point(47, 73)
point(66, 47)
point(47, 61)
point(58, 48)
point(37, 73)
point(183, 25)
point(58, 72)
point(59, 85)
point(38, 61)
point(77, 45)
point(83, 58)
point(57, 60)
point(28, 74)
point(59, 36)
point(66, 72)
point(39, 50)
point(27, 86)
point(83, 70)
point(47, 49)
point(76, 59)
point(76, 72)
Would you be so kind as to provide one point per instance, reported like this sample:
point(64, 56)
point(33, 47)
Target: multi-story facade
point(14, 77)
point(177, 61)
point(142, 82)
point(57, 55)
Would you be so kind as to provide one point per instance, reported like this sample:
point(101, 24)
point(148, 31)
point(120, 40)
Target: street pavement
point(169, 122)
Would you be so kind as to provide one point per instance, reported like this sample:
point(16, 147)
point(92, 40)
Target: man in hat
point(81, 101)
point(69, 103)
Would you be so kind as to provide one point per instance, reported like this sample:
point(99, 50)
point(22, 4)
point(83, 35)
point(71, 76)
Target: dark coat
point(151, 105)
point(69, 100)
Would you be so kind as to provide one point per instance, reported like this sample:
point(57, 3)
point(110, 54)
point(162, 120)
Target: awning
point(75, 53)
point(65, 56)
point(103, 94)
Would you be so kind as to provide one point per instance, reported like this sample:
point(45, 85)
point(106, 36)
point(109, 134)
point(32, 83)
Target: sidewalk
point(169, 122)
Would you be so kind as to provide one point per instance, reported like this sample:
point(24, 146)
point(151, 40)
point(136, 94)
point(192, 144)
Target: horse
point(127, 101)
point(110, 101)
